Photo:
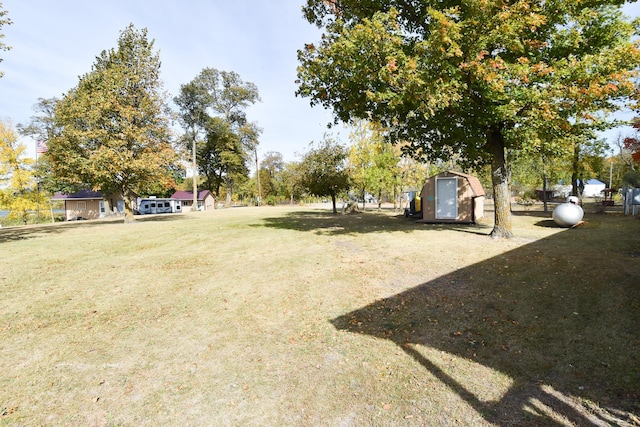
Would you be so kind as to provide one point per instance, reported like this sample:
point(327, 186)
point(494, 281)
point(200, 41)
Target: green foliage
point(271, 178)
point(473, 80)
point(323, 170)
point(373, 164)
point(267, 184)
point(631, 178)
point(212, 112)
point(291, 179)
point(42, 127)
point(114, 126)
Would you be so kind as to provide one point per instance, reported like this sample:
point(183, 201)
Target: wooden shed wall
point(86, 209)
point(465, 200)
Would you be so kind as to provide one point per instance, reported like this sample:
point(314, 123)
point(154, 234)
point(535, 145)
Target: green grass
point(294, 316)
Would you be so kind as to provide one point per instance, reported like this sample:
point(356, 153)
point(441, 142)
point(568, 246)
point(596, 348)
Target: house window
point(82, 206)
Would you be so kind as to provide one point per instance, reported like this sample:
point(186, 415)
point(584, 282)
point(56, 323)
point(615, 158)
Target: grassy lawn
point(294, 316)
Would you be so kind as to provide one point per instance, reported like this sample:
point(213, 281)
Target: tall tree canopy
point(42, 127)
point(113, 129)
point(472, 78)
point(213, 113)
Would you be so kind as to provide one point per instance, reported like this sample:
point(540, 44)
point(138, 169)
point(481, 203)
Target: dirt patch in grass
point(295, 316)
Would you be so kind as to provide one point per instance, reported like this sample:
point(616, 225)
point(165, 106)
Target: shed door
point(447, 198)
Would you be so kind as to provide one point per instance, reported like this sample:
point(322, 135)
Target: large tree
point(472, 79)
point(213, 113)
point(324, 170)
point(114, 126)
point(42, 128)
point(222, 156)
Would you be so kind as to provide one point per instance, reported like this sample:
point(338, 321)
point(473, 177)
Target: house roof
point(594, 182)
point(188, 195)
point(78, 195)
point(474, 182)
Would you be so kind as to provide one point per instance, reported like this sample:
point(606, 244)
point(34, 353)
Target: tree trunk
point(333, 200)
point(500, 182)
point(229, 193)
point(128, 212)
point(575, 165)
point(544, 187)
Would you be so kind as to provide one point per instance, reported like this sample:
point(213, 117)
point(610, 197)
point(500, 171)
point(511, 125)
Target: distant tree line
point(517, 101)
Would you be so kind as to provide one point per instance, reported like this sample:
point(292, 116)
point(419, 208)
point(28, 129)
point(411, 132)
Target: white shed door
point(447, 198)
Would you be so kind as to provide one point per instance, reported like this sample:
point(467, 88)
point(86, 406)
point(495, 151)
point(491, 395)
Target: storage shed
point(206, 200)
point(452, 197)
point(88, 204)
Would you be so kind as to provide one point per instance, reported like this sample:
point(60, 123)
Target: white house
point(593, 188)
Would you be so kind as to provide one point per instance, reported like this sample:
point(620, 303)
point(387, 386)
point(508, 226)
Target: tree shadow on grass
point(160, 217)
point(8, 234)
point(326, 223)
point(556, 316)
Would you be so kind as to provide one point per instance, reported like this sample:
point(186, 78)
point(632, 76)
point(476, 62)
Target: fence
point(631, 200)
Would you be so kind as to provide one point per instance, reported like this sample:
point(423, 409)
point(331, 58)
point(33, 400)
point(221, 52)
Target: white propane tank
point(567, 214)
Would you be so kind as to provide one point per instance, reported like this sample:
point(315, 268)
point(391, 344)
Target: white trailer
point(154, 205)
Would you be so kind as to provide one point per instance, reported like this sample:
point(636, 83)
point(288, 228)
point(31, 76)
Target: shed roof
point(188, 195)
point(474, 182)
point(79, 195)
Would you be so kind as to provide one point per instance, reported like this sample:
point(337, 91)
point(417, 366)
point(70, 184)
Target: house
point(206, 200)
point(452, 197)
point(87, 204)
point(593, 188)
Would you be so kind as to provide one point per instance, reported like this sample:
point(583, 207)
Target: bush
point(527, 199)
point(632, 178)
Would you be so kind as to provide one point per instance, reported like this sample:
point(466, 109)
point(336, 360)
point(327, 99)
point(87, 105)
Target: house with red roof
point(206, 200)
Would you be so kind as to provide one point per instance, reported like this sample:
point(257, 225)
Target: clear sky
point(55, 41)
